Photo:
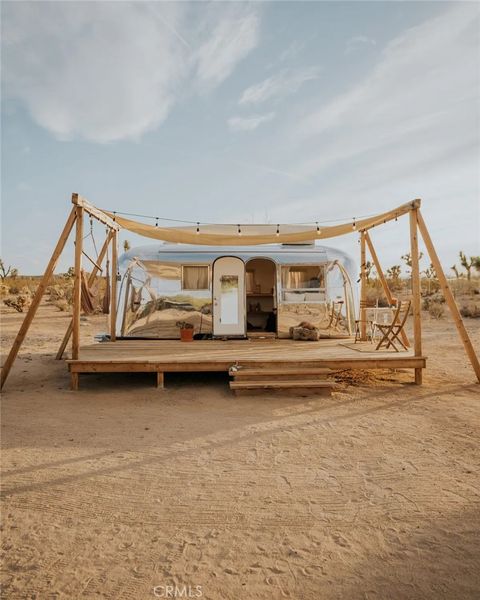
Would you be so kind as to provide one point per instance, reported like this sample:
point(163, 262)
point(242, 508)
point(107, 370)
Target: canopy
point(247, 235)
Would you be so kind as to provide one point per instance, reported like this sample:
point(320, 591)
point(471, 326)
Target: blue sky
point(241, 112)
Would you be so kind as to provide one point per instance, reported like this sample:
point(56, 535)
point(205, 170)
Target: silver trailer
point(235, 291)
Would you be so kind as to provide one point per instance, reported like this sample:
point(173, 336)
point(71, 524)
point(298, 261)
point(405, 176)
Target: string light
point(239, 230)
point(278, 230)
point(156, 222)
point(354, 225)
point(198, 227)
point(318, 229)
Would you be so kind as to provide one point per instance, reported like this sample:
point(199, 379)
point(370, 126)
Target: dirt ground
point(120, 487)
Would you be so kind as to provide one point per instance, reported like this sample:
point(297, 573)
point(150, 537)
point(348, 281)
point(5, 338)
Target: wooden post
point(416, 292)
point(160, 380)
point(113, 295)
point(77, 284)
point(91, 280)
point(383, 281)
point(447, 292)
point(37, 297)
point(363, 288)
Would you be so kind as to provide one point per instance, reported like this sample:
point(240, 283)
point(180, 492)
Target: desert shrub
point(471, 310)
point(3, 289)
point(62, 304)
point(436, 310)
point(431, 300)
point(20, 303)
point(13, 289)
point(55, 292)
point(374, 293)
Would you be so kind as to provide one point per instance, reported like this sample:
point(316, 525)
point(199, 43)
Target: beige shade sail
point(250, 235)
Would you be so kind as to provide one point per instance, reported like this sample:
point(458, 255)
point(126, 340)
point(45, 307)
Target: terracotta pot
point(186, 335)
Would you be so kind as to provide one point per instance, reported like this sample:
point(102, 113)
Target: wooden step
point(306, 386)
point(297, 373)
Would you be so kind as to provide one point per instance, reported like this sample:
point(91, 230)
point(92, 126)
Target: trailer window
point(195, 277)
point(303, 283)
point(300, 278)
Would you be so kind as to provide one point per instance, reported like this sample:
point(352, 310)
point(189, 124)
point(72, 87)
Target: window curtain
point(195, 278)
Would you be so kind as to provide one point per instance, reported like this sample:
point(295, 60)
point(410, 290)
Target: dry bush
point(463, 287)
point(375, 292)
point(4, 290)
point(471, 310)
point(62, 304)
point(436, 310)
point(55, 292)
point(433, 299)
point(20, 303)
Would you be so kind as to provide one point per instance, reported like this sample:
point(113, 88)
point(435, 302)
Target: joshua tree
point(407, 258)
point(455, 270)
point(429, 273)
point(476, 263)
point(394, 273)
point(467, 263)
point(126, 246)
point(6, 271)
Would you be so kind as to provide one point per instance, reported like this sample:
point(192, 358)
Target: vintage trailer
point(236, 291)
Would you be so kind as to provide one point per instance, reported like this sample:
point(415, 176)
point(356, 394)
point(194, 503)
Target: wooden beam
point(77, 284)
point(416, 292)
point(391, 215)
point(363, 288)
point(91, 280)
point(77, 200)
point(113, 294)
point(383, 281)
point(447, 292)
point(37, 297)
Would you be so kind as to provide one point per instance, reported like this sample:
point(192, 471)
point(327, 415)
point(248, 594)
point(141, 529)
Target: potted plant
point(186, 331)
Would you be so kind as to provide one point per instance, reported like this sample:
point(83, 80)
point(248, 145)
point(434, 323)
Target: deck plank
point(204, 355)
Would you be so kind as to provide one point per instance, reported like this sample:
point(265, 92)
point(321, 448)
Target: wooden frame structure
point(82, 207)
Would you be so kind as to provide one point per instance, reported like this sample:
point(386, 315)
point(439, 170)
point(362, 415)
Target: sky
point(240, 112)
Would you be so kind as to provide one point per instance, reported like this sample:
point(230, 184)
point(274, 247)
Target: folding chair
point(390, 333)
point(370, 323)
point(336, 317)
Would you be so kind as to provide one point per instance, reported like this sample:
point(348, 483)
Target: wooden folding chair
point(390, 333)
point(336, 317)
point(370, 323)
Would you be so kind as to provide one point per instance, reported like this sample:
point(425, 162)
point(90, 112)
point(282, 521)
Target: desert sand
point(120, 487)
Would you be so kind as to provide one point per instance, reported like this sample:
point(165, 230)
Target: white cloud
point(408, 129)
point(419, 101)
point(249, 123)
point(107, 71)
point(232, 39)
point(357, 41)
point(285, 83)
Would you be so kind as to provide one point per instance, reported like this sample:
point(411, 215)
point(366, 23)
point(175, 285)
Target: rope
point(343, 220)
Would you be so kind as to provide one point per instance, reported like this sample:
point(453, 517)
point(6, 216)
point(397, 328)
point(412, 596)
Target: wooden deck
point(164, 356)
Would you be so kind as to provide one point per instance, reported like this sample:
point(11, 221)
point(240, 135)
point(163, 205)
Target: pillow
point(294, 297)
point(314, 297)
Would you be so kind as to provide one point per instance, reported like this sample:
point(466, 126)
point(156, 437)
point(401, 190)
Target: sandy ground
point(110, 491)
